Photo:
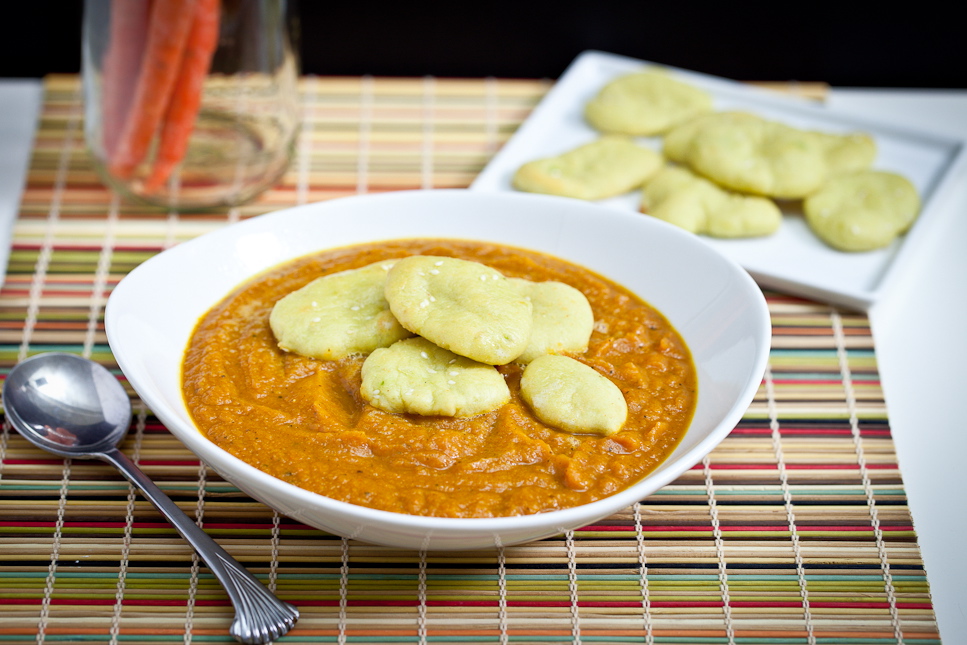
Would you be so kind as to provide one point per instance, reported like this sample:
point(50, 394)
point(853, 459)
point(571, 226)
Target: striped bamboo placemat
point(794, 530)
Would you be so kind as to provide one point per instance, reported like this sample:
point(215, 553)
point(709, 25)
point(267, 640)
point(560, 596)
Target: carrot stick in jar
point(179, 119)
point(168, 30)
point(122, 63)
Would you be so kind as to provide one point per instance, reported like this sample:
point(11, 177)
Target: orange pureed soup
point(304, 421)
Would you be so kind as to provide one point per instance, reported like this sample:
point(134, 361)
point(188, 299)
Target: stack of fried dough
point(725, 173)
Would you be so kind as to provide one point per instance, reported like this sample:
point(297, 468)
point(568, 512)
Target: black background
point(913, 44)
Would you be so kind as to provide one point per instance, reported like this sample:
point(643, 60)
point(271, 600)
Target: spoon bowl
point(73, 407)
point(67, 405)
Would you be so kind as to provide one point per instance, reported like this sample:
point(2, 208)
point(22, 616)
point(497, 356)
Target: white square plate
point(792, 260)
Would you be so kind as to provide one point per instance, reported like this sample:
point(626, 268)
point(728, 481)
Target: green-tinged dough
point(338, 315)
point(562, 321)
point(414, 376)
point(680, 197)
point(758, 157)
point(466, 307)
point(676, 142)
point(571, 396)
point(847, 152)
point(606, 167)
point(862, 211)
point(645, 104)
point(747, 153)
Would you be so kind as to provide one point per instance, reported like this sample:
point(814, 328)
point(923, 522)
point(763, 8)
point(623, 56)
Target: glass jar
point(190, 104)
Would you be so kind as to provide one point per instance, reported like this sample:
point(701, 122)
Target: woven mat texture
point(794, 530)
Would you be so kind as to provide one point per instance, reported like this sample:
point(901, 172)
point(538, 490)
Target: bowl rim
point(212, 454)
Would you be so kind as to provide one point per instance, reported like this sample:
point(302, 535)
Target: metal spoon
point(74, 407)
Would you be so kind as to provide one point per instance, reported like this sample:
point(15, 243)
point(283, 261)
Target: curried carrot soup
point(304, 420)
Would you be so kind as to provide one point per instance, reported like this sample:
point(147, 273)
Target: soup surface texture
point(304, 421)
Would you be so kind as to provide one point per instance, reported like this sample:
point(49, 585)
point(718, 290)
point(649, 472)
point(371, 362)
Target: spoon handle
point(260, 617)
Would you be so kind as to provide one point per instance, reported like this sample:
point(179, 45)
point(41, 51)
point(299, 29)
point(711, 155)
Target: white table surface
point(19, 105)
point(919, 330)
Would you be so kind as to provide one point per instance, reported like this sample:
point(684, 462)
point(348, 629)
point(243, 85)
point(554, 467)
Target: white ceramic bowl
point(712, 302)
